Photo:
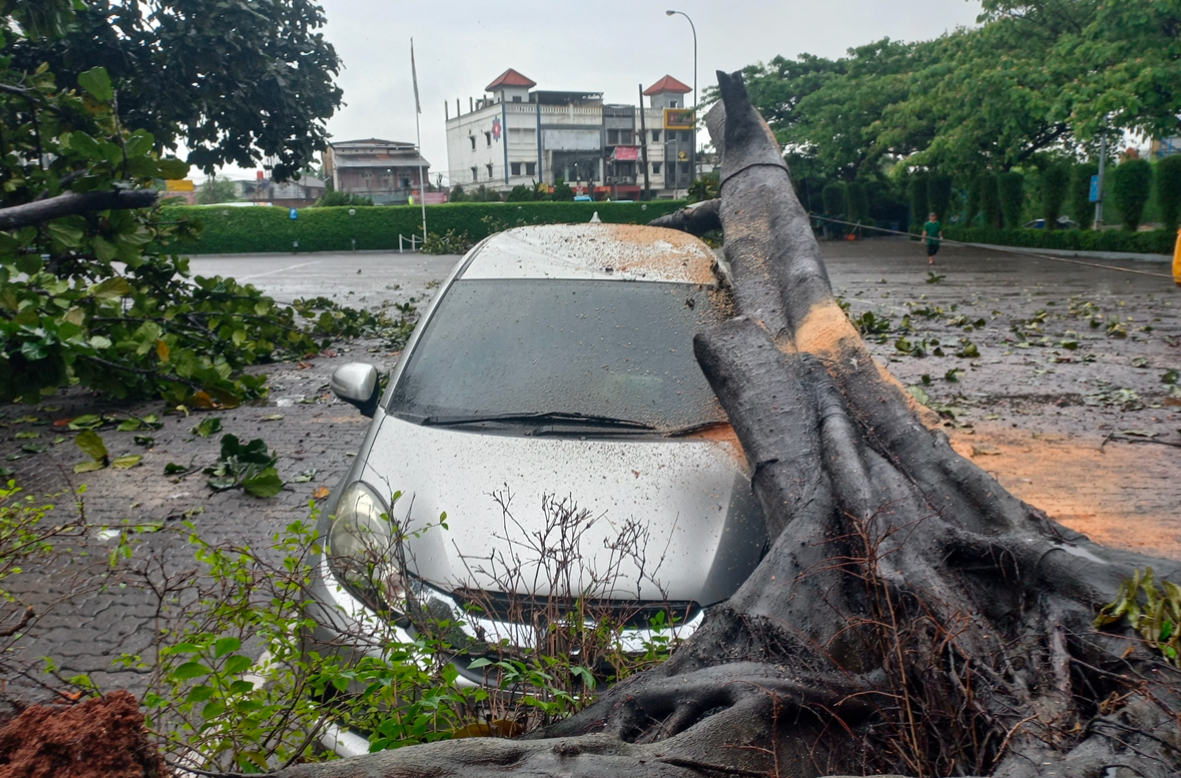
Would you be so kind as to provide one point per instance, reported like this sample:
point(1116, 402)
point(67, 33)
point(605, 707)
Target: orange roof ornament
point(510, 78)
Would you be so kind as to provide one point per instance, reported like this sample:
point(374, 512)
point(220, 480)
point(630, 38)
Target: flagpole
point(418, 134)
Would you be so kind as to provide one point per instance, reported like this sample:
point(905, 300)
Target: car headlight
point(363, 548)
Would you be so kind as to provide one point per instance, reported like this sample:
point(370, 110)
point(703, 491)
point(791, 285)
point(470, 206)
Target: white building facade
point(518, 135)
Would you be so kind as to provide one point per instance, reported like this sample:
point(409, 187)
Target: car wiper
point(694, 429)
point(538, 418)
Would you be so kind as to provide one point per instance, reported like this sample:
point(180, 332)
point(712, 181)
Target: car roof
point(623, 252)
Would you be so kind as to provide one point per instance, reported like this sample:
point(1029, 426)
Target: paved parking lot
point(1071, 417)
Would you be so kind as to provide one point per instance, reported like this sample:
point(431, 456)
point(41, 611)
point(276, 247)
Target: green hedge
point(262, 229)
point(1154, 242)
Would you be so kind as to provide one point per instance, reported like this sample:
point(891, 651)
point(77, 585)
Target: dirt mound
point(99, 738)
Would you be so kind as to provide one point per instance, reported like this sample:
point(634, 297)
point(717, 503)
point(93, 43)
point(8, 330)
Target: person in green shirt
point(933, 231)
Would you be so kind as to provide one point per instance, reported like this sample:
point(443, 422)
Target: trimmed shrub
point(263, 230)
point(918, 200)
point(1011, 188)
point(939, 196)
point(1154, 242)
point(1168, 192)
point(973, 206)
point(990, 200)
point(856, 203)
point(1082, 210)
point(1055, 187)
point(833, 196)
point(1132, 186)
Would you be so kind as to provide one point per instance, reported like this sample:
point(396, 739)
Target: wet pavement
point(1052, 377)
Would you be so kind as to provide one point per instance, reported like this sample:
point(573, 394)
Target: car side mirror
point(356, 383)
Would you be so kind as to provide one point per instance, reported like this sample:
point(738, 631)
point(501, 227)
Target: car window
point(617, 349)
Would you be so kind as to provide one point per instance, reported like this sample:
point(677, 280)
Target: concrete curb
point(1162, 258)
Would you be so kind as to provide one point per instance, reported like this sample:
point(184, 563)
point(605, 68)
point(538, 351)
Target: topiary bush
point(1132, 186)
point(990, 200)
point(833, 197)
point(1055, 187)
point(1082, 210)
point(939, 196)
point(918, 200)
point(1168, 192)
point(856, 203)
point(1011, 188)
point(973, 205)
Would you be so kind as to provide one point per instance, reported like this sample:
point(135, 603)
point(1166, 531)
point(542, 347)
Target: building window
point(674, 104)
point(515, 168)
point(656, 136)
point(405, 182)
point(472, 138)
point(521, 136)
point(612, 137)
point(516, 98)
point(655, 168)
point(687, 136)
point(489, 166)
point(530, 168)
point(488, 138)
point(475, 174)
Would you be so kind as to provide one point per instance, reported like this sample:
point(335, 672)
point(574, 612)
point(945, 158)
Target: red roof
point(666, 84)
point(510, 77)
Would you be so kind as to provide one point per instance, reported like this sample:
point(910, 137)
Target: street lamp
point(693, 27)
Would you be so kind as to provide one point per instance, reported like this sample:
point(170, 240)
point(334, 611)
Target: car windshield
point(505, 350)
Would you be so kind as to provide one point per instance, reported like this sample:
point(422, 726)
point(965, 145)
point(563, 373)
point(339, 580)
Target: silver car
point(546, 449)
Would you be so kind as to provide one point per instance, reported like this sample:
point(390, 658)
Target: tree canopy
point(89, 291)
point(1032, 77)
point(235, 81)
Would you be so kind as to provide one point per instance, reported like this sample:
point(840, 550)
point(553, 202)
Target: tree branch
point(71, 203)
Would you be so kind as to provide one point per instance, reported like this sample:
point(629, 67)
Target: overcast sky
point(600, 45)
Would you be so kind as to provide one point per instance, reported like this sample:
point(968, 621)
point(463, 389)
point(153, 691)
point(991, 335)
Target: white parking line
point(280, 270)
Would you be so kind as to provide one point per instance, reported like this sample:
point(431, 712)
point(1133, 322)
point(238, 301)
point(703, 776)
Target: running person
point(933, 231)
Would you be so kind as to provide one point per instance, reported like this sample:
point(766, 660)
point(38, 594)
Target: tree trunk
point(911, 616)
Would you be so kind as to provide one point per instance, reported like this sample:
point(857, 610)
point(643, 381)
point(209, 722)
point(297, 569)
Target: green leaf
point(139, 143)
point(199, 694)
point(241, 687)
point(126, 462)
point(88, 467)
point(174, 469)
point(190, 670)
point(91, 443)
point(97, 83)
point(173, 169)
point(85, 145)
point(238, 664)
point(88, 421)
point(111, 289)
point(207, 427)
point(265, 484)
point(224, 646)
point(213, 709)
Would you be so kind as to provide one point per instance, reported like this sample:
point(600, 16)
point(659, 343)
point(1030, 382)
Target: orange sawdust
point(1122, 495)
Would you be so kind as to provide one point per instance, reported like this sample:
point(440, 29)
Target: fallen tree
point(911, 615)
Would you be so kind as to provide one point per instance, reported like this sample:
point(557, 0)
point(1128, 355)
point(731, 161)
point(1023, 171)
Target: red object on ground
point(100, 738)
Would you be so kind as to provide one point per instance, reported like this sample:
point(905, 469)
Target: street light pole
point(692, 27)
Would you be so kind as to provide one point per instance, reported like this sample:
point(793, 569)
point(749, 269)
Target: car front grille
point(537, 610)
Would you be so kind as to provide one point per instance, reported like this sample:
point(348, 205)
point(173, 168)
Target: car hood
point(620, 518)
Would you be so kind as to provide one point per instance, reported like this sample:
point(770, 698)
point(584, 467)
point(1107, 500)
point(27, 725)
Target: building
point(289, 194)
point(517, 134)
point(1165, 147)
point(385, 170)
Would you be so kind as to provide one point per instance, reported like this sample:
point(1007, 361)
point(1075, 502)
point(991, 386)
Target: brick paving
point(1040, 417)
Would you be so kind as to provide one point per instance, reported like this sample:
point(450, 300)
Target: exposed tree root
point(911, 616)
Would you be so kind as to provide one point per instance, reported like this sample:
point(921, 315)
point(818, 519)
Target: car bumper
point(344, 627)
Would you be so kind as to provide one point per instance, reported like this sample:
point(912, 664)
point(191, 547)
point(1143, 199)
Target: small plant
point(450, 242)
point(1157, 619)
point(933, 278)
point(250, 466)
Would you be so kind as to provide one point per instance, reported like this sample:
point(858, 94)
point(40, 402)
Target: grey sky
point(601, 45)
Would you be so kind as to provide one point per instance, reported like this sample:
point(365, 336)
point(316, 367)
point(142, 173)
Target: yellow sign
point(179, 185)
point(680, 119)
point(1177, 260)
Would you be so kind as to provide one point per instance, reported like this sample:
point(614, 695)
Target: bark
point(71, 203)
point(911, 615)
point(696, 219)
